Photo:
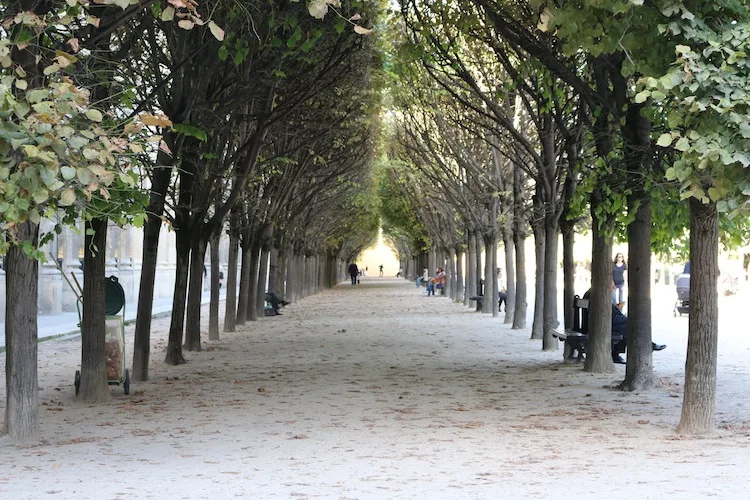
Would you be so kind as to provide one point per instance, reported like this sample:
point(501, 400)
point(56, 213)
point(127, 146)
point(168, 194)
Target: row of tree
point(259, 119)
point(548, 115)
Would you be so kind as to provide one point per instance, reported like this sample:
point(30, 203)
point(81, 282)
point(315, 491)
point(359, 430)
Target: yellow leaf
point(186, 24)
point(156, 120)
point(21, 84)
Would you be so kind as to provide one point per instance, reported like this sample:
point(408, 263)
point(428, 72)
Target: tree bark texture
point(230, 311)
point(21, 384)
point(699, 403)
point(537, 326)
point(510, 278)
point(252, 300)
point(195, 292)
point(213, 308)
point(599, 351)
point(569, 272)
point(245, 284)
point(471, 268)
point(174, 354)
point(142, 342)
point(519, 314)
point(550, 343)
point(639, 373)
point(260, 303)
point(94, 387)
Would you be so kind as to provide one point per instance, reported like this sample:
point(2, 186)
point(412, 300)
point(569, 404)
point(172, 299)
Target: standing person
point(381, 269)
point(501, 293)
point(619, 270)
point(353, 273)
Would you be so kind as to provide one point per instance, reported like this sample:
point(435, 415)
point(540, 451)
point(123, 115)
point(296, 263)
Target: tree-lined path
point(377, 391)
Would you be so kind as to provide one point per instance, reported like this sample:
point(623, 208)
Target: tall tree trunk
point(142, 342)
point(94, 387)
point(537, 327)
point(489, 304)
point(639, 373)
point(230, 311)
point(22, 296)
point(550, 281)
point(599, 351)
point(479, 270)
point(273, 270)
point(262, 276)
point(213, 308)
point(519, 315)
point(569, 272)
point(699, 403)
point(510, 277)
point(471, 268)
point(177, 324)
point(252, 300)
point(195, 291)
point(458, 289)
point(245, 283)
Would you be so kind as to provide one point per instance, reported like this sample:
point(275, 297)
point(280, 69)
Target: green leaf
point(94, 115)
point(664, 140)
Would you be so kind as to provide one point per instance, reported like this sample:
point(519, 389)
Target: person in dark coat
point(619, 327)
point(353, 272)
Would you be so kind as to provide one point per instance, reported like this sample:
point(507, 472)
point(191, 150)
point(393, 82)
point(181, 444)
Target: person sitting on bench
point(620, 327)
point(438, 280)
point(274, 299)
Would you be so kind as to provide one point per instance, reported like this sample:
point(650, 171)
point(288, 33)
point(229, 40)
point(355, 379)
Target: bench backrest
point(580, 315)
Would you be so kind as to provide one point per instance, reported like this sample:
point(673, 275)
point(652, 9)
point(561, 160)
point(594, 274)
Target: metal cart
point(114, 302)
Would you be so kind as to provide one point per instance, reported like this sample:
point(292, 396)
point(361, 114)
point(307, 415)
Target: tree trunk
point(471, 269)
point(569, 272)
point(549, 343)
point(230, 311)
point(195, 291)
point(260, 303)
point(21, 385)
point(537, 327)
point(142, 342)
point(177, 324)
point(245, 284)
point(94, 387)
point(639, 373)
point(213, 308)
point(273, 270)
point(510, 278)
point(489, 304)
point(458, 288)
point(699, 403)
point(519, 315)
point(599, 351)
point(252, 300)
point(479, 271)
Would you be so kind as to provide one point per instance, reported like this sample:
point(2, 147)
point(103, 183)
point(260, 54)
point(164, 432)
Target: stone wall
point(123, 253)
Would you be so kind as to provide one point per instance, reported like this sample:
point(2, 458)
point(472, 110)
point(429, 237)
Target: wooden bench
point(576, 340)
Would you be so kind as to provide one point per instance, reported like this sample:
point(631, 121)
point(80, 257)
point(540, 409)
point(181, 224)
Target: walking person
point(353, 273)
point(381, 270)
point(619, 276)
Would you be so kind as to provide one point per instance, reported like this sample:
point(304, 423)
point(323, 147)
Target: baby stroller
point(682, 283)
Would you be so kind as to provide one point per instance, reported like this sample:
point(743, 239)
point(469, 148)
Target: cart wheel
point(77, 382)
point(126, 383)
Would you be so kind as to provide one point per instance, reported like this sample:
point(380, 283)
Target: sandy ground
point(377, 391)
